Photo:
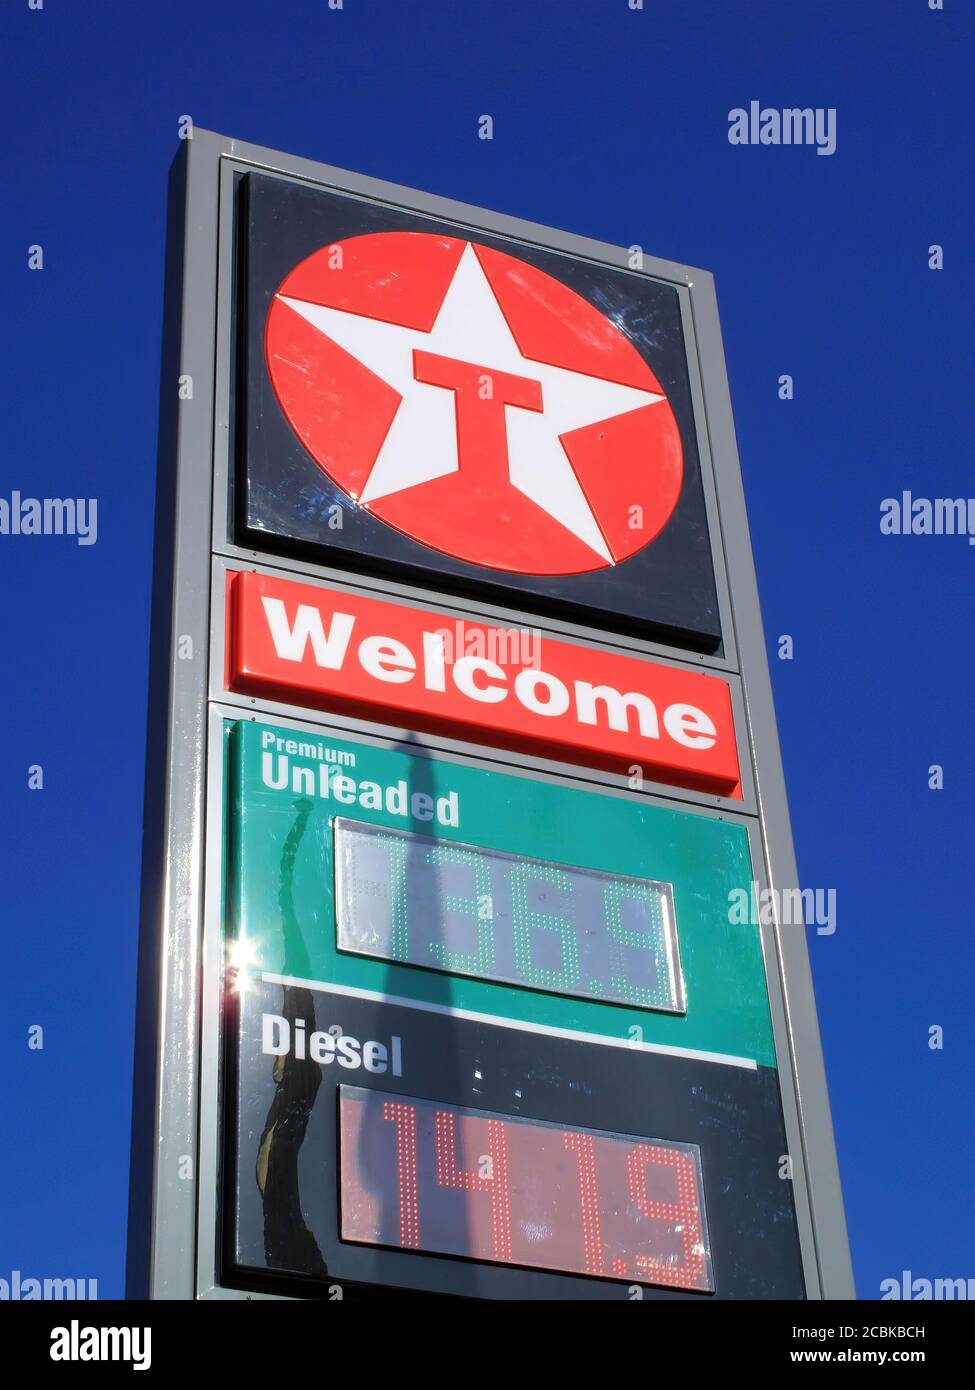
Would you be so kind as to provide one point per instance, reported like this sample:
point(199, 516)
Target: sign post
point(462, 764)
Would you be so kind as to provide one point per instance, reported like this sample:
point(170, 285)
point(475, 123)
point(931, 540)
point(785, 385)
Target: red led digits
point(584, 1148)
point(684, 1215)
point(500, 1190)
point(404, 1118)
point(574, 1201)
point(449, 1175)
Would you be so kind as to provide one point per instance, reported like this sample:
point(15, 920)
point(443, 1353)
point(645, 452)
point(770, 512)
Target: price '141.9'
point(424, 1176)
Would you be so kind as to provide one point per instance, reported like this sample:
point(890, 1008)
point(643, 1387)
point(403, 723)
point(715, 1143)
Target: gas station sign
point(462, 759)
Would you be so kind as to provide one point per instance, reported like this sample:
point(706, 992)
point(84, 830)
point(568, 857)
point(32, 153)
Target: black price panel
point(378, 1144)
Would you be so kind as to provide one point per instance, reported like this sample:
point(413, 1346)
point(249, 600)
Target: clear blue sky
point(610, 123)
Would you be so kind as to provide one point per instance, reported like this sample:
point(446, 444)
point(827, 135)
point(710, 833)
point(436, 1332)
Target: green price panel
point(398, 875)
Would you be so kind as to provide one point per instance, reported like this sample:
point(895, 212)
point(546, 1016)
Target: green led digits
point(399, 915)
point(477, 906)
point(525, 921)
point(430, 903)
point(662, 993)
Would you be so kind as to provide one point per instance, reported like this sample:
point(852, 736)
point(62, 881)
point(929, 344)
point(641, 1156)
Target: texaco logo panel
point(473, 414)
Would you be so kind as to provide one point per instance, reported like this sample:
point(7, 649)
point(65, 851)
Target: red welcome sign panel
point(407, 665)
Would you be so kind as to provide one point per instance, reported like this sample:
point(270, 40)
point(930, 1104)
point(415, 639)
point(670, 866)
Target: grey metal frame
point(176, 1159)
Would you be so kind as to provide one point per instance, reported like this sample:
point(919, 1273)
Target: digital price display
point(490, 1036)
point(510, 918)
point(423, 1176)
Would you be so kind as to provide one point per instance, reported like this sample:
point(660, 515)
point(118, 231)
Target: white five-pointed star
point(422, 441)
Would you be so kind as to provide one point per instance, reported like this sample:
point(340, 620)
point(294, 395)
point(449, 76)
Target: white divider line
point(521, 1025)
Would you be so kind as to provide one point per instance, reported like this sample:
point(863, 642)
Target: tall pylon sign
point(462, 765)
